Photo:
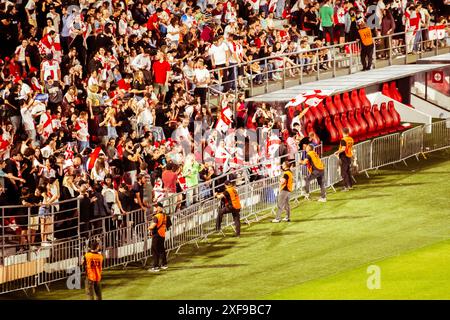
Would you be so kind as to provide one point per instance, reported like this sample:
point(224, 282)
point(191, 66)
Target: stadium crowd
point(99, 98)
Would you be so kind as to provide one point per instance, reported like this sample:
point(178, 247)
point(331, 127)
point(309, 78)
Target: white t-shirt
point(50, 68)
point(27, 118)
point(174, 37)
point(219, 53)
point(202, 75)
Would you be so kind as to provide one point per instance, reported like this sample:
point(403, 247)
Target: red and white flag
point(272, 5)
point(436, 32)
point(50, 45)
point(224, 121)
point(310, 98)
point(93, 158)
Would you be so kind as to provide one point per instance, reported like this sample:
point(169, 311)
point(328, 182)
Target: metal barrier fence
point(129, 241)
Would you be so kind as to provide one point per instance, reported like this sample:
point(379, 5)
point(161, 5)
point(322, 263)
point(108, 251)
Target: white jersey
point(50, 68)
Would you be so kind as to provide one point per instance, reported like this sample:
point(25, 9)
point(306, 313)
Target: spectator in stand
point(326, 13)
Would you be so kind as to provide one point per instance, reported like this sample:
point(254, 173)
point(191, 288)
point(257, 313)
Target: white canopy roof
point(443, 58)
point(350, 82)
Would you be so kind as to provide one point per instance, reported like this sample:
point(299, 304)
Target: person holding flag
point(316, 170)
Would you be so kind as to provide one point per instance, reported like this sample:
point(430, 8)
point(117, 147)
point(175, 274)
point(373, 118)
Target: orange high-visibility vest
point(366, 36)
point(348, 146)
point(289, 184)
point(94, 261)
point(234, 197)
point(316, 162)
point(161, 224)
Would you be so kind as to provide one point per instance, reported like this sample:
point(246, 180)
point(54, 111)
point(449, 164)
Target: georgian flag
point(69, 153)
point(46, 125)
point(93, 158)
point(310, 98)
point(49, 45)
point(224, 121)
point(273, 144)
point(222, 159)
point(436, 32)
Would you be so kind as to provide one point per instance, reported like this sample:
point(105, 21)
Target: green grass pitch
point(398, 219)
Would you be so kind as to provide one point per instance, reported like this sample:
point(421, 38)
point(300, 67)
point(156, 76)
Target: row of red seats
point(354, 111)
point(336, 105)
point(364, 123)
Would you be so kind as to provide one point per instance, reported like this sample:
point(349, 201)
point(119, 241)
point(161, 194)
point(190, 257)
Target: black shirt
point(128, 165)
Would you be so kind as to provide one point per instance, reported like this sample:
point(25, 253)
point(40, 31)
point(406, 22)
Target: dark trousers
point(229, 77)
point(201, 92)
point(158, 251)
point(366, 56)
point(328, 30)
point(319, 175)
point(346, 174)
point(93, 290)
point(236, 218)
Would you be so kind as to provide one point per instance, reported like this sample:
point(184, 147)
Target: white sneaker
point(286, 220)
point(153, 270)
point(322, 200)
point(276, 220)
point(164, 267)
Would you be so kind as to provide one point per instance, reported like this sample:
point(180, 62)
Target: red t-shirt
point(160, 70)
point(170, 179)
point(123, 85)
point(152, 21)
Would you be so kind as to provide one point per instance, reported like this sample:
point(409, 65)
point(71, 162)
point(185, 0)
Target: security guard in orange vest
point(367, 45)
point(286, 187)
point(93, 261)
point(345, 154)
point(316, 171)
point(231, 204)
point(160, 223)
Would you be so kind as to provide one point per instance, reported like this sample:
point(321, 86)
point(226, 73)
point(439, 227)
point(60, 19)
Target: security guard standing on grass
point(286, 187)
point(160, 223)
point(367, 45)
point(232, 204)
point(316, 171)
point(345, 154)
point(93, 261)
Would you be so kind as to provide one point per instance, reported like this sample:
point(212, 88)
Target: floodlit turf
point(397, 219)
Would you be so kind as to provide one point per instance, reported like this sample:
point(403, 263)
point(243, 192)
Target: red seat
point(316, 114)
point(355, 100)
point(394, 114)
point(365, 132)
point(332, 131)
point(323, 112)
point(347, 102)
point(379, 120)
point(309, 116)
point(385, 90)
point(331, 108)
point(309, 128)
point(337, 123)
point(388, 121)
point(355, 125)
point(371, 123)
point(338, 104)
point(346, 124)
point(363, 98)
point(395, 94)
